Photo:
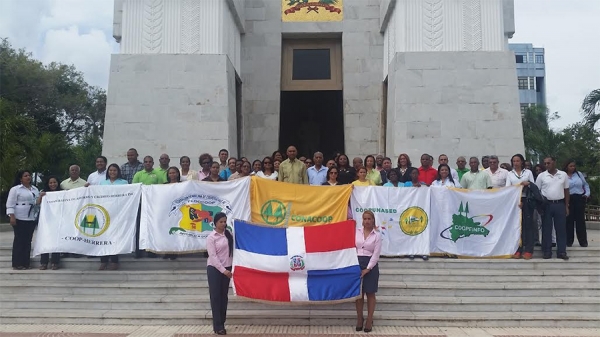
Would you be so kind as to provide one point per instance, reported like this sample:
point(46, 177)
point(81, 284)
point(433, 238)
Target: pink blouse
point(369, 247)
point(218, 251)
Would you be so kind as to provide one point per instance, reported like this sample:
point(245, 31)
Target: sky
point(79, 32)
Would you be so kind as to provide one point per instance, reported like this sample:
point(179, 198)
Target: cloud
point(89, 52)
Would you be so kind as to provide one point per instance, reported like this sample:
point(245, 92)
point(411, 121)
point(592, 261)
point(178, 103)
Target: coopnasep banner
point(95, 221)
point(481, 223)
point(177, 218)
point(401, 214)
point(283, 204)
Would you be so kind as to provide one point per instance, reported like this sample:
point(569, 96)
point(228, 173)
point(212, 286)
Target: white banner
point(476, 222)
point(94, 221)
point(401, 214)
point(178, 218)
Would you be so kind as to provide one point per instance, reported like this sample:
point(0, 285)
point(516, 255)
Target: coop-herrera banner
point(95, 221)
point(178, 218)
point(482, 223)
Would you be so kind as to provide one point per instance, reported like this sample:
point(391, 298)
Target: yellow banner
point(312, 10)
point(282, 204)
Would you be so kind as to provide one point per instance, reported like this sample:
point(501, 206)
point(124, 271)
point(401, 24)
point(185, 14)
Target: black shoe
point(221, 332)
point(425, 257)
point(537, 244)
point(583, 244)
point(563, 256)
point(547, 256)
point(570, 245)
point(359, 328)
point(412, 257)
point(368, 329)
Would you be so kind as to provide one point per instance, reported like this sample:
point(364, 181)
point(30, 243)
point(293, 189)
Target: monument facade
point(356, 76)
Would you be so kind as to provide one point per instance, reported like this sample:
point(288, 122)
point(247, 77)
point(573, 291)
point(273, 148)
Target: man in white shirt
point(100, 174)
point(443, 159)
point(498, 174)
point(554, 185)
point(317, 174)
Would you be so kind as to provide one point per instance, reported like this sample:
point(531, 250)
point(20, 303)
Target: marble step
point(395, 274)
point(397, 288)
point(384, 303)
point(129, 263)
point(300, 316)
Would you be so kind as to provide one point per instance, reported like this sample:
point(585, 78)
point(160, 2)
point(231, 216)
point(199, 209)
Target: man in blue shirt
point(317, 174)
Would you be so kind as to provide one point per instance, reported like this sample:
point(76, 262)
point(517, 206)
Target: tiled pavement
point(16, 330)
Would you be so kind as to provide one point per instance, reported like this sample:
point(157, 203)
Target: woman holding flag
point(219, 245)
point(368, 247)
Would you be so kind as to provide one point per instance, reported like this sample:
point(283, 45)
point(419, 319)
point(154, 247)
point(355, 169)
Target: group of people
point(553, 198)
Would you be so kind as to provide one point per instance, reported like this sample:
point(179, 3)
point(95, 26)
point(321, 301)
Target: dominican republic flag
point(296, 264)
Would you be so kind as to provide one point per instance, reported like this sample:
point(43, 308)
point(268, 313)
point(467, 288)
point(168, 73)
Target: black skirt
point(370, 282)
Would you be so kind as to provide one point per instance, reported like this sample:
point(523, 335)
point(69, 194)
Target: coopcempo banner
point(283, 204)
point(95, 221)
point(482, 223)
point(177, 218)
point(401, 214)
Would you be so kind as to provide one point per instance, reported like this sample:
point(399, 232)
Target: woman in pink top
point(368, 247)
point(220, 251)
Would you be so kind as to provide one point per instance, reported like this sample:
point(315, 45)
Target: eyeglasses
point(205, 163)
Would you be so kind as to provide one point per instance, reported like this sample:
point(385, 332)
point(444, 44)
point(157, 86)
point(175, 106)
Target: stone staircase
point(438, 292)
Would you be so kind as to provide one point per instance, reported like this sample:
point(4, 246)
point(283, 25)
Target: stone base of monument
point(438, 292)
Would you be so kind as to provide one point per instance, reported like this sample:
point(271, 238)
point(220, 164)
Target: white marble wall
point(180, 27)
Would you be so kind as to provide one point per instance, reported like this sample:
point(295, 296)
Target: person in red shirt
point(427, 174)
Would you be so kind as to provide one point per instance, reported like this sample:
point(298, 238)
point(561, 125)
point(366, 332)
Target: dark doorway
point(312, 121)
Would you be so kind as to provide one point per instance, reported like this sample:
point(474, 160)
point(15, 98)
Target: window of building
point(531, 83)
point(539, 59)
point(311, 64)
point(524, 108)
point(519, 58)
point(523, 83)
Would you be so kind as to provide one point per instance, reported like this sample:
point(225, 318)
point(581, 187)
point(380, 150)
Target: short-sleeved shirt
point(479, 180)
point(316, 177)
point(163, 172)
point(446, 183)
point(95, 178)
point(293, 172)
point(461, 172)
point(427, 175)
point(149, 178)
point(107, 182)
point(69, 184)
point(374, 176)
point(128, 170)
point(513, 178)
point(498, 177)
point(363, 183)
point(553, 186)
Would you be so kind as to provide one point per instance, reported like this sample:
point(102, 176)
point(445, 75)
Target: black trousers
point(555, 215)
point(112, 258)
point(54, 259)
point(528, 228)
point(218, 287)
point(21, 251)
point(576, 220)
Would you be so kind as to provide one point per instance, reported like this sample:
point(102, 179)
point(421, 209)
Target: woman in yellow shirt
point(362, 177)
point(372, 174)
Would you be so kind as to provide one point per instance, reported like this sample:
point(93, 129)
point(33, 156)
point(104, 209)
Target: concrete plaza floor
point(10, 330)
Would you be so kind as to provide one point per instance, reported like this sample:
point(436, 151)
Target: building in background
point(531, 74)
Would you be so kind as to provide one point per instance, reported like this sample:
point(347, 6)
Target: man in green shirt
point(292, 170)
point(476, 179)
point(149, 176)
point(164, 161)
point(461, 162)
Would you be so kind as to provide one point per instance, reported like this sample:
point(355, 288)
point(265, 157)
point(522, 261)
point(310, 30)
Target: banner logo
point(312, 6)
point(92, 220)
point(464, 226)
point(197, 212)
point(273, 212)
point(297, 263)
point(413, 221)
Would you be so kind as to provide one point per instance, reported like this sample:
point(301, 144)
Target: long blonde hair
point(373, 216)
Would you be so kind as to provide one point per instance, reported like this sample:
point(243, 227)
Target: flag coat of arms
point(296, 264)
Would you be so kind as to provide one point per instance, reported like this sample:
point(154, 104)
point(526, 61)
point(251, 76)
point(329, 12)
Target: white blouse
point(446, 183)
point(514, 179)
point(20, 202)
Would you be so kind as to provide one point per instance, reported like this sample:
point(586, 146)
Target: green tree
point(591, 108)
point(540, 139)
